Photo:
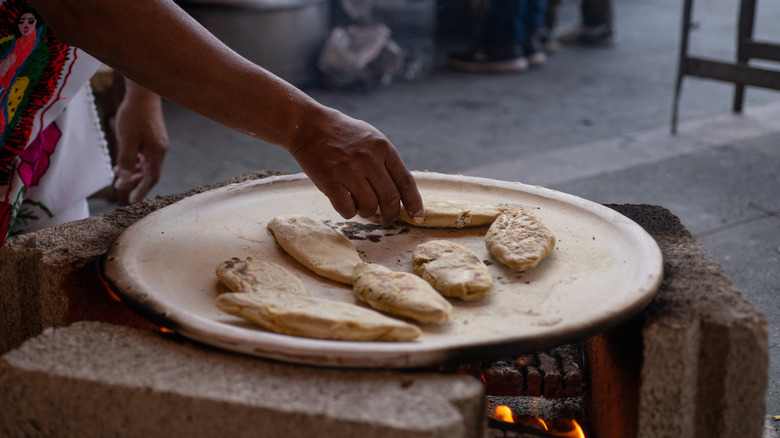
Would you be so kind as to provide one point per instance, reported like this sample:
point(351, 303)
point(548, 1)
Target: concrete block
point(705, 357)
point(95, 379)
point(49, 278)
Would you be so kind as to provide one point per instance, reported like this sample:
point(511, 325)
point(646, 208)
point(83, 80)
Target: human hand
point(142, 142)
point(356, 167)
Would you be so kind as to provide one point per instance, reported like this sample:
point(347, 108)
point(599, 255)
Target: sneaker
point(548, 41)
point(534, 53)
point(590, 36)
point(489, 61)
point(536, 59)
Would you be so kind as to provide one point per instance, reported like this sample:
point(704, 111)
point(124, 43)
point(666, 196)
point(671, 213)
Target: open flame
point(568, 428)
point(564, 428)
point(503, 413)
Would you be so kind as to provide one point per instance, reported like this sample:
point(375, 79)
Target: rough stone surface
point(94, 379)
point(48, 278)
point(704, 346)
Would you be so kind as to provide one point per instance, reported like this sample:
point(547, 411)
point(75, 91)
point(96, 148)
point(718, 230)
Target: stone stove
point(77, 363)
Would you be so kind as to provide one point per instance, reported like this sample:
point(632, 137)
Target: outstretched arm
point(156, 44)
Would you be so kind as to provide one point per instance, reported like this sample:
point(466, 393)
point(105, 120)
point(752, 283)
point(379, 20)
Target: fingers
point(140, 191)
point(365, 197)
point(151, 169)
point(393, 185)
point(341, 200)
point(133, 185)
point(125, 181)
point(383, 195)
point(378, 190)
point(127, 176)
point(362, 195)
point(403, 181)
point(356, 167)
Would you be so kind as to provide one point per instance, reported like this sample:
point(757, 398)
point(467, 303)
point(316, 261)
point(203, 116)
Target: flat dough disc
point(259, 276)
point(316, 318)
point(449, 213)
point(316, 245)
point(519, 239)
point(452, 269)
point(400, 293)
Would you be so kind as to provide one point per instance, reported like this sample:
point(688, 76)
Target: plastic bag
point(360, 56)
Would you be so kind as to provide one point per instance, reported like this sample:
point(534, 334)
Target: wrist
point(138, 95)
point(310, 121)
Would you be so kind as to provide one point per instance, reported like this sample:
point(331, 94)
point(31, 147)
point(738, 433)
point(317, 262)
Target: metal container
point(283, 36)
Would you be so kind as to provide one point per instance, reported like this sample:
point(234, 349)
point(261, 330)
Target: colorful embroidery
point(8, 213)
point(35, 159)
point(32, 73)
point(30, 212)
point(33, 61)
point(51, 157)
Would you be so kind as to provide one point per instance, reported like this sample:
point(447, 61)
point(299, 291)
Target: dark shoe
point(509, 60)
point(590, 36)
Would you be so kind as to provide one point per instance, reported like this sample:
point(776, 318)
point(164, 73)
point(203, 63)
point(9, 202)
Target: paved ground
point(592, 122)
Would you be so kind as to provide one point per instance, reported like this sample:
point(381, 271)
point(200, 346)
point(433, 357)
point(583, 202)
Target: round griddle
point(604, 269)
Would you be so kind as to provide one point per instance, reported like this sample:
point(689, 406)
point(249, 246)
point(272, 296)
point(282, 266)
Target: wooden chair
point(739, 72)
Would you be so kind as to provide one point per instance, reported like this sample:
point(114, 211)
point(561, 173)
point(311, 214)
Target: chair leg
point(682, 60)
point(747, 14)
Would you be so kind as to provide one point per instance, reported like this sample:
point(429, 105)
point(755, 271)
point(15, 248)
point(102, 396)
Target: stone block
point(49, 278)
point(704, 349)
point(94, 379)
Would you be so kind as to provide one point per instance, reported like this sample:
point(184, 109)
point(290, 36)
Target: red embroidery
point(35, 159)
point(5, 218)
point(45, 66)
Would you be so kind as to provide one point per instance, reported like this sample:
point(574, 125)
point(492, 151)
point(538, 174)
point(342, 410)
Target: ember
point(107, 286)
point(503, 418)
point(115, 297)
point(554, 373)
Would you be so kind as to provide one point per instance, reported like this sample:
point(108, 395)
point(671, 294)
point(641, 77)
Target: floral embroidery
point(35, 159)
point(45, 169)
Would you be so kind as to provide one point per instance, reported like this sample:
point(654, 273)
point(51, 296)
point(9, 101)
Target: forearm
point(137, 95)
point(157, 45)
